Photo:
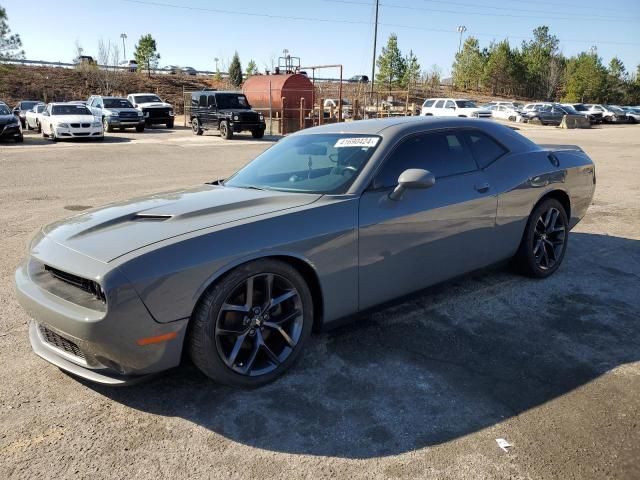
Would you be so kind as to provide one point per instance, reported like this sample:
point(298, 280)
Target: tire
point(19, 139)
point(257, 133)
point(38, 127)
point(28, 127)
point(105, 125)
point(546, 235)
point(225, 131)
point(139, 128)
point(266, 341)
point(122, 129)
point(170, 124)
point(196, 128)
point(52, 135)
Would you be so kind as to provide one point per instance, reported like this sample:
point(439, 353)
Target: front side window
point(212, 101)
point(439, 104)
point(465, 104)
point(230, 100)
point(4, 110)
point(450, 104)
point(39, 108)
point(442, 153)
point(203, 101)
point(428, 103)
point(311, 163)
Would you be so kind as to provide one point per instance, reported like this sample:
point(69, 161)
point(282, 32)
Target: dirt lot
point(421, 389)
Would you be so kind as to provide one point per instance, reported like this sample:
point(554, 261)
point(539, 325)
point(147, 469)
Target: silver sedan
point(328, 222)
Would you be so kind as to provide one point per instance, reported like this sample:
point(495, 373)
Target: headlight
point(139, 113)
point(261, 117)
point(146, 114)
point(15, 121)
point(114, 114)
point(96, 124)
point(63, 125)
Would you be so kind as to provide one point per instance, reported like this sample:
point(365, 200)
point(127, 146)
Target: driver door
point(428, 235)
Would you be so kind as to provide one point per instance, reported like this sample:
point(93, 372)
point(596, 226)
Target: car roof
point(145, 93)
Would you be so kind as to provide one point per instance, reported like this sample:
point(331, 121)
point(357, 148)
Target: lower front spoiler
point(102, 376)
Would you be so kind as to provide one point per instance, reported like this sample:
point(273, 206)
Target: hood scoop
point(150, 217)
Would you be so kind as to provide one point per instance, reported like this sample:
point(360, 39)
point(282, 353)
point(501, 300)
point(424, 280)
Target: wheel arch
point(302, 266)
point(559, 195)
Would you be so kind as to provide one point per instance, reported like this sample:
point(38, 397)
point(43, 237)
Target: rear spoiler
point(559, 148)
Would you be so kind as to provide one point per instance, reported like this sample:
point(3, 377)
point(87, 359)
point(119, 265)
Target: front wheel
point(19, 139)
point(106, 126)
point(170, 124)
point(225, 131)
point(544, 242)
point(252, 325)
point(196, 128)
point(140, 128)
point(257, 133)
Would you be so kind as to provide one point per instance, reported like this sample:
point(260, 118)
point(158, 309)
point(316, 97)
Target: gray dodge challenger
point(326, 223)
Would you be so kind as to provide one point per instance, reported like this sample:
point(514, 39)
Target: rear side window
point(484, 148)
point(212, 101)
point(443, 154)
point(428, 103)
point(450, 104)
point(439, 104)
point(203, 101)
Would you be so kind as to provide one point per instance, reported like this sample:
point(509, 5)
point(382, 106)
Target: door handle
point(482, 187)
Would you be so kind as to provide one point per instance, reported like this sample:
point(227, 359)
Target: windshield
point(616, 109)
point(570, 110)
point(232, 100)
point(4, 110)
point(117, 103)
point(27, 105)
point(70, 110)
point(312, 163)
point(146, 99)
point(465, 104)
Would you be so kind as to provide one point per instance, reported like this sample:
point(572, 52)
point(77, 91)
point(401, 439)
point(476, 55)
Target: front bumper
point(71, 132)
point(98, 344)
point(154, 117)
point(242, 126)
point(10, 132)
point(125, 122)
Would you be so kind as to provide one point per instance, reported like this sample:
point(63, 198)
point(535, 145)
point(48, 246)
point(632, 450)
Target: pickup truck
point(116, 112)
point(153, 109)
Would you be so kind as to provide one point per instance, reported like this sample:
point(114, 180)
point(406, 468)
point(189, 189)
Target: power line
point(351, 22)
point(542, 15)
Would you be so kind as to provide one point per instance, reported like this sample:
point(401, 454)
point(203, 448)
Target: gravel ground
point(419, 389)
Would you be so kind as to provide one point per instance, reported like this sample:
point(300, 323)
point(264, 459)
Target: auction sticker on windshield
point(365, 142)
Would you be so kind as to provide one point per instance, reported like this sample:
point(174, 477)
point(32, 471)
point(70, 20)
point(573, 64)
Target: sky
point(195, 32)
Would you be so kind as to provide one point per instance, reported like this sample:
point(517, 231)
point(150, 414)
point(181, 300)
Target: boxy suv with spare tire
point(227, 112)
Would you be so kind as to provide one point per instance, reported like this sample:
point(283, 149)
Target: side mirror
point(413, 178)
point(16, 111)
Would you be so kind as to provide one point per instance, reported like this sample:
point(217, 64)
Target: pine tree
point(412, 71)
point(391, 64)
point(252, 68)
point(146, 53)
point(10, 45)
point(235, 71)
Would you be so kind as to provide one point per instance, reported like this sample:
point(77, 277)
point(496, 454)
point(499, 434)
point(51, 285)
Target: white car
point(514, 105)
point(33, 117)
point(453, 107)
point(70, 120)
point(155, 111)
point(505, 112)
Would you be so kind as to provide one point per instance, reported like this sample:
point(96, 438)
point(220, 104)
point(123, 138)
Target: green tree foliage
point(500, 69)
point(412, 71)
point(146, 53)
point(537, 57)
point(10, 45)
point(252, 68)
point(585, 79)
point(235, 71)
point(469, 65)
point(391, 64)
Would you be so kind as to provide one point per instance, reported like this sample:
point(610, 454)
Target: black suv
point(228, 112)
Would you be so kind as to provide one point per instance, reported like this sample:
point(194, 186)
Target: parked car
point(546, 114)
point(359, 79)
point(633, 114)
point(10, 126)
point(227, 112)
point(504, 112)
point(333, 103)
point(22, 108)
point(69, 120)
point(154, 110)
point(453, 107)
point(189, 71)
point(116, 112)
point(33, 117)
point(609, 114)
point(130, 65)
point(514, 105)
point(328, 222)
point(172, 69)
point(534, 106)
point(84, 60)
point(581, 109)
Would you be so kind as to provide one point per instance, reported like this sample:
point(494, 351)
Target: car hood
point(124, 109)
point(114, 230)
point(71, 118)
point(154, 105)
point(4, 119)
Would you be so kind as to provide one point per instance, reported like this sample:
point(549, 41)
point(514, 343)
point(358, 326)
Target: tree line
point(539, 70)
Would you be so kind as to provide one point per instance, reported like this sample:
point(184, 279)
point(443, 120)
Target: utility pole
point(461, 30)
point(375, 40)
point(123, 36)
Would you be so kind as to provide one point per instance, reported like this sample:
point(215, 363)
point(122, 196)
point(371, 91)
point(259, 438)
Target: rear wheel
point(225, 131)
point(252, 325)
point(544, 242)
point(140, 128)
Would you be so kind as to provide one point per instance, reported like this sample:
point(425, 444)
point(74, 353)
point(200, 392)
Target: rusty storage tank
point(292, 87)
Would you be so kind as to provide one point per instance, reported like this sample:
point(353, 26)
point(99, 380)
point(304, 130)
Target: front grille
point(52, 338)
point(81, 134)
point(86, 125)
point(85, 284)
point(157, 112)
point(249, 117)
point(75, 125)
point(128, 115)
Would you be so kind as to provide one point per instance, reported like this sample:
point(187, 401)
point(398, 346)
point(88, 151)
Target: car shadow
point(432, 367)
